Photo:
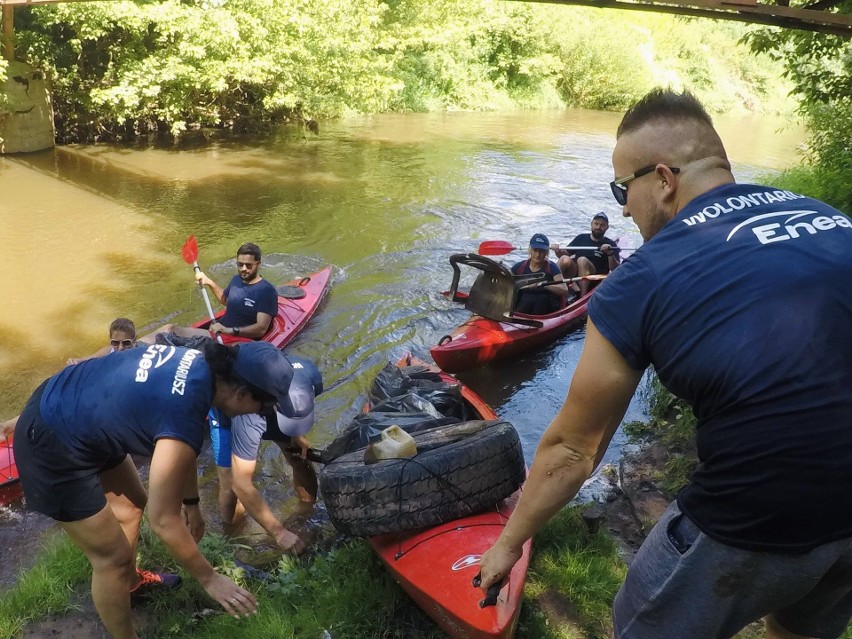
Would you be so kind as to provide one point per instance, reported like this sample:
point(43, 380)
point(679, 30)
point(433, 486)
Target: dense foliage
point(123, 68)
point(820, 68)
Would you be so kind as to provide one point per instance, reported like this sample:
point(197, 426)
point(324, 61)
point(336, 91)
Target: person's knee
point(585, 266)
point(567, 265)
point(117, 560)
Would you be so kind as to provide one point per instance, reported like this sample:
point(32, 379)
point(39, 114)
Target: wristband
point(236, 330)
point(192, 501)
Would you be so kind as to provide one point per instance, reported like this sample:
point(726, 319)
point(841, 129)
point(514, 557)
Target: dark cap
point(601, 215)
point(539, 241)
point(264, 366)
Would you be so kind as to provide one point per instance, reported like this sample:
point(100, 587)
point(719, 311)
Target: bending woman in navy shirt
point(75, 436)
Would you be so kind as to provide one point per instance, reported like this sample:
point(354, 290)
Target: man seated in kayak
point(236, 445)
point(250, 301)
point(599, 254)
point(545, 299)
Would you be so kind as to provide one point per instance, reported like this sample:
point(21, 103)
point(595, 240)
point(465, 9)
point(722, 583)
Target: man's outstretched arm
point(570, 448)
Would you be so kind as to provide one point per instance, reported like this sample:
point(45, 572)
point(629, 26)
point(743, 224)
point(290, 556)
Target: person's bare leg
point(305, 481)
point(231, 510)
point(568, 266)
point(103, 541)
point(126, 497)
point(775, 630)
point(585, 267)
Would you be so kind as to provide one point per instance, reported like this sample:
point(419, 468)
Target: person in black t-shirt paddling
point(589, 261)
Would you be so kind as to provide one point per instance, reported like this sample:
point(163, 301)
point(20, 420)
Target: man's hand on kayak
point(497, 562)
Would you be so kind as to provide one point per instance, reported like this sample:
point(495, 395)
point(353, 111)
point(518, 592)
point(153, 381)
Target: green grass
point(46, 588)
point(344, 590)
point(582, 570)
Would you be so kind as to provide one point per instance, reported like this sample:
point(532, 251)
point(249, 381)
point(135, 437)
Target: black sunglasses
point(126, 343)
point(619, 186)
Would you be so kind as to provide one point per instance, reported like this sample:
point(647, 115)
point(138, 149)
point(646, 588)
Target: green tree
point(820, 68)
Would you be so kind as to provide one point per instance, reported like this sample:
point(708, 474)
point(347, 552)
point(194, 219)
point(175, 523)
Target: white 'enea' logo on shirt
point(162, 354)
point(793, 224)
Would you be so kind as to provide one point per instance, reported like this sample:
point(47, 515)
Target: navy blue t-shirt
point(245, 301)
point(742, 304)
point(124, 402)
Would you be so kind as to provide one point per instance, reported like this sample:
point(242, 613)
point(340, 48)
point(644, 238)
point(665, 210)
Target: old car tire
point(482, 464)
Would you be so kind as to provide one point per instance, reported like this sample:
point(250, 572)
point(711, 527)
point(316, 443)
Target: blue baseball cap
point(305, 372)
point(601, 215)
point(539, 241)
point(264, 366)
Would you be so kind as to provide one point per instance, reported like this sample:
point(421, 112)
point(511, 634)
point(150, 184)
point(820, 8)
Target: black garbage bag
point(409, 403)
point(393, 381)
point(368, 426)
point(170, 339)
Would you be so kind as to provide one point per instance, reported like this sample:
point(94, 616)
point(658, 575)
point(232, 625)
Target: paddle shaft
point(204, 293)
point(190, 256)
point(502, 247)
point(588, 278)
point(588, 248)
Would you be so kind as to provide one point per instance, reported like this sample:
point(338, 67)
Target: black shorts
point(57, 481)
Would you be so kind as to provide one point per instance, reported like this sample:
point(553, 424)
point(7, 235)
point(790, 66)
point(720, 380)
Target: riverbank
point(579, 562)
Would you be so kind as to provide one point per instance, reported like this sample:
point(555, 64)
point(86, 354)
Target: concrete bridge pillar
point(26, 116)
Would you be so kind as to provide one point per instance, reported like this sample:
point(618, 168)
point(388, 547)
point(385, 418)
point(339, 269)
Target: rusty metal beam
point(839, 24)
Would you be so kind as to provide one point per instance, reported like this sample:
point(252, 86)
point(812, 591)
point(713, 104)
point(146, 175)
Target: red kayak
point(297, 302)
point(481, 341)
point(436, 566)
point(10, 487)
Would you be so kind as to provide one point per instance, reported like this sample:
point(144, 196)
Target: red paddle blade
point(190, 250)
point(495, 247)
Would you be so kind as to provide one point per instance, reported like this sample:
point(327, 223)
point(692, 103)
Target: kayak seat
point(494, 293)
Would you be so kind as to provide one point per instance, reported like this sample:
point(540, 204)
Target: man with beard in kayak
point(236, 445)
point(250, 301)
point(73, 444)
point(540, 300)
point(589, 261)
point(739, 300)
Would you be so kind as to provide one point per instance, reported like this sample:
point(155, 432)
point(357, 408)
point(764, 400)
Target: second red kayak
point(436, 565)
point(480, 341)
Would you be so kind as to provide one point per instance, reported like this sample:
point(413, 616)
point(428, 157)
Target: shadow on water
point(384, 199)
